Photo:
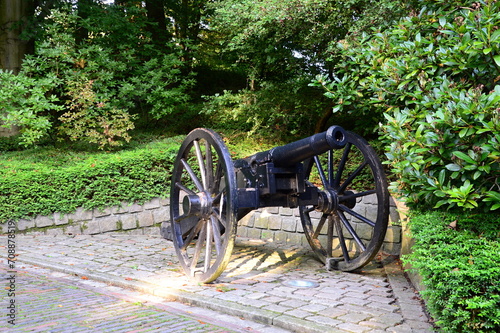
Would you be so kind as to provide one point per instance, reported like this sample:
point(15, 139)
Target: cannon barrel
point(290, 154)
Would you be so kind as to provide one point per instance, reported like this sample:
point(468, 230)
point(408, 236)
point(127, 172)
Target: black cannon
point(324, 175)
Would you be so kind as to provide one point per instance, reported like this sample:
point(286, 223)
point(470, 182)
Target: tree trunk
point(82, 33)
point(156, 14)
point(321, 123)
point(14, 15)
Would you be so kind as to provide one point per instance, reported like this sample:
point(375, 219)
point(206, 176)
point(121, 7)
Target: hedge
point(458, 258)
point(94, 181)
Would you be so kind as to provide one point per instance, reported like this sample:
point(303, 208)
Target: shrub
point(446, 149)
point(91, 90)
point(433, 75)
point(26, 102)
point(46, 180)
point(457, 256)
point(265, 110)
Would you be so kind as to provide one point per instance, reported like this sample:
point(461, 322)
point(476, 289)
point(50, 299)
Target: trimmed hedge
point(89, 181)
point(458, 257)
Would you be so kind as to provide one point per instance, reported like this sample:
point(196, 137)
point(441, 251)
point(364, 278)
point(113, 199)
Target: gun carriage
point(324, 176)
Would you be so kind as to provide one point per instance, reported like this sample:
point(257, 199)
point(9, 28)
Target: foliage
point(94, 120)
point(279, 39)
point(25, 102)
point(447, 149)
point(46, 180)
point(281, 46)
point(457, 257)
point(90, 89)
point(266, 110)
point(434, 76)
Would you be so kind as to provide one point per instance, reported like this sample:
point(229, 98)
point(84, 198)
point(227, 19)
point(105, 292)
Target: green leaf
point(464, 157)
point(441, 177)
point(453, 167)
point(495, 35)
point(497, 59)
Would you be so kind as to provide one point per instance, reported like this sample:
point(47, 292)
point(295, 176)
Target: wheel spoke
point(330, 229)
point(320, 226)
point(179, 218)
point(340, 234)
point(193, 232)
point(356, 215)
point(217, 234)
point(321, 172)
point(184, 188)
point(218, 215)
point(208, 247)
point(210, 166)
point(349, 228)
point(342, 163)
point(356, 195)
point(199, 245)
point(310, 209)
point(192, 175)
point(201, 163)
point(352, 176)
point(219, 172)
point(219, 197)
point(330, 167)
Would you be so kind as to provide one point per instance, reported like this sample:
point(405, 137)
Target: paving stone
point(298, 313)
point(257, 303)
point(392, 319)
point(256, 273)
point(276, 308)
point(333, 312)
point(354, 300)
point(374, 324)
point(384, 306)
point(350, 327)
point(324, 320)
point(293, 303)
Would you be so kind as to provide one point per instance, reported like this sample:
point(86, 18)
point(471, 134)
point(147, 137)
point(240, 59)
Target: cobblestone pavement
point(254, 286)
point(49, 301)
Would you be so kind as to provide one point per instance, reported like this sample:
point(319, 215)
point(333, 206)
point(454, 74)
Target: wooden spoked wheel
point(344, 234)
point(203, 205)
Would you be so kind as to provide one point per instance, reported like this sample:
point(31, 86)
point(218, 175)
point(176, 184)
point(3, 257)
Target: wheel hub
point(328, 201)
point(198, 204)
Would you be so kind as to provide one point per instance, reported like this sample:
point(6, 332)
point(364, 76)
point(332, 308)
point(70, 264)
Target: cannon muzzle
point(298, 151)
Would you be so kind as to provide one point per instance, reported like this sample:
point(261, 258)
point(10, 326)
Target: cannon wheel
point(203, 205)
point(342, 235)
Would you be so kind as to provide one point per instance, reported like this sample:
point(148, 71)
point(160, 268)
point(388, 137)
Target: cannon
point(324, 176)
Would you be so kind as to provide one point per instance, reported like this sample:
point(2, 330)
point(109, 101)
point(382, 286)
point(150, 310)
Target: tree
point(283, 44)
point(14, 16)
point(156, 14)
